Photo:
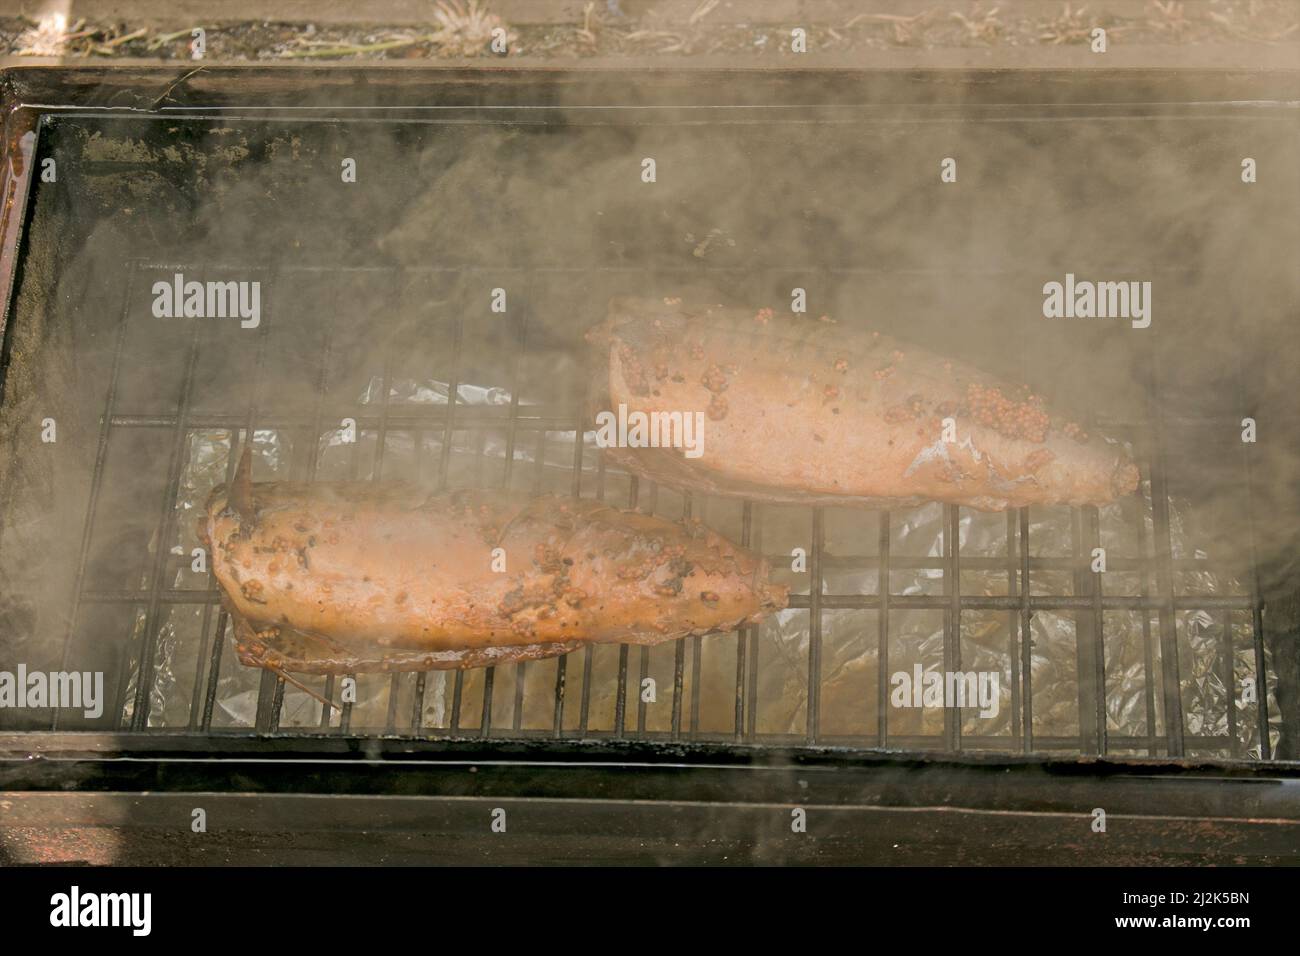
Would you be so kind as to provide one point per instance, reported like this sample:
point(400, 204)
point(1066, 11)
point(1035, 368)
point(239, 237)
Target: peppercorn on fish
point(802, 410)
point(359, 577)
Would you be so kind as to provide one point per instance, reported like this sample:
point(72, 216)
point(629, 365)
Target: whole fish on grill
point(802, 410)
point(355, 577)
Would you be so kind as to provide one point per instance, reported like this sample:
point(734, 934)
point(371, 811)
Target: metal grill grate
point(531, 426)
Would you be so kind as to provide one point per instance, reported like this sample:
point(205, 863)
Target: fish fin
point(246, 635)
point(241, 489)
point(285, 676)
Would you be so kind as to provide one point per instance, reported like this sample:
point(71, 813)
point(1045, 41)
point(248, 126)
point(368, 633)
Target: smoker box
point(1123, 690)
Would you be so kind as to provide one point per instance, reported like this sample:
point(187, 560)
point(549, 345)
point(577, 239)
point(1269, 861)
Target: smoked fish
point(805, 411)
point(354, 577)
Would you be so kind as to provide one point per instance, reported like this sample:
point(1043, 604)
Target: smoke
point(380, 278)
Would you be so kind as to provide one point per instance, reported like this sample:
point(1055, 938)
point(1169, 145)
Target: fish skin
point(355, 577)
point(804, 411)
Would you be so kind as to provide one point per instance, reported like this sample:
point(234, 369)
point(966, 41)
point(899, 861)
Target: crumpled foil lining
point(849, 638)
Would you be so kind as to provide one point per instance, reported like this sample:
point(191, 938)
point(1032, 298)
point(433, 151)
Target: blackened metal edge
point(142, 88)
point(167, 745)
point(1260, 799)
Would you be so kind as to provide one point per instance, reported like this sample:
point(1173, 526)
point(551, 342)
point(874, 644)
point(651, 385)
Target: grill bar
point(1089, 602)
point(1085, 639)
point(1013, 656)
point(1170, 680)
point(815, 625)
point(1138, 520)
point(1227, 659)
point(828, 602)
point(223, 618)
point(1026, 635)
point(952, 620)
point(1121, 745)
point(742, 635)
point(166, 521)
point(214, 670)
point(313, 463)
point(444, 462)
point(200, 659)
point(417, 703)
point(751, 655)
point(1257, 609)
point(644, 660)
point(1093, 521)
point(530, 417)
point(96, 480)
point(882, 635)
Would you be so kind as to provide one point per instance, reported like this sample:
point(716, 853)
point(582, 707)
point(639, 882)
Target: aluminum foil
point(524, 696)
